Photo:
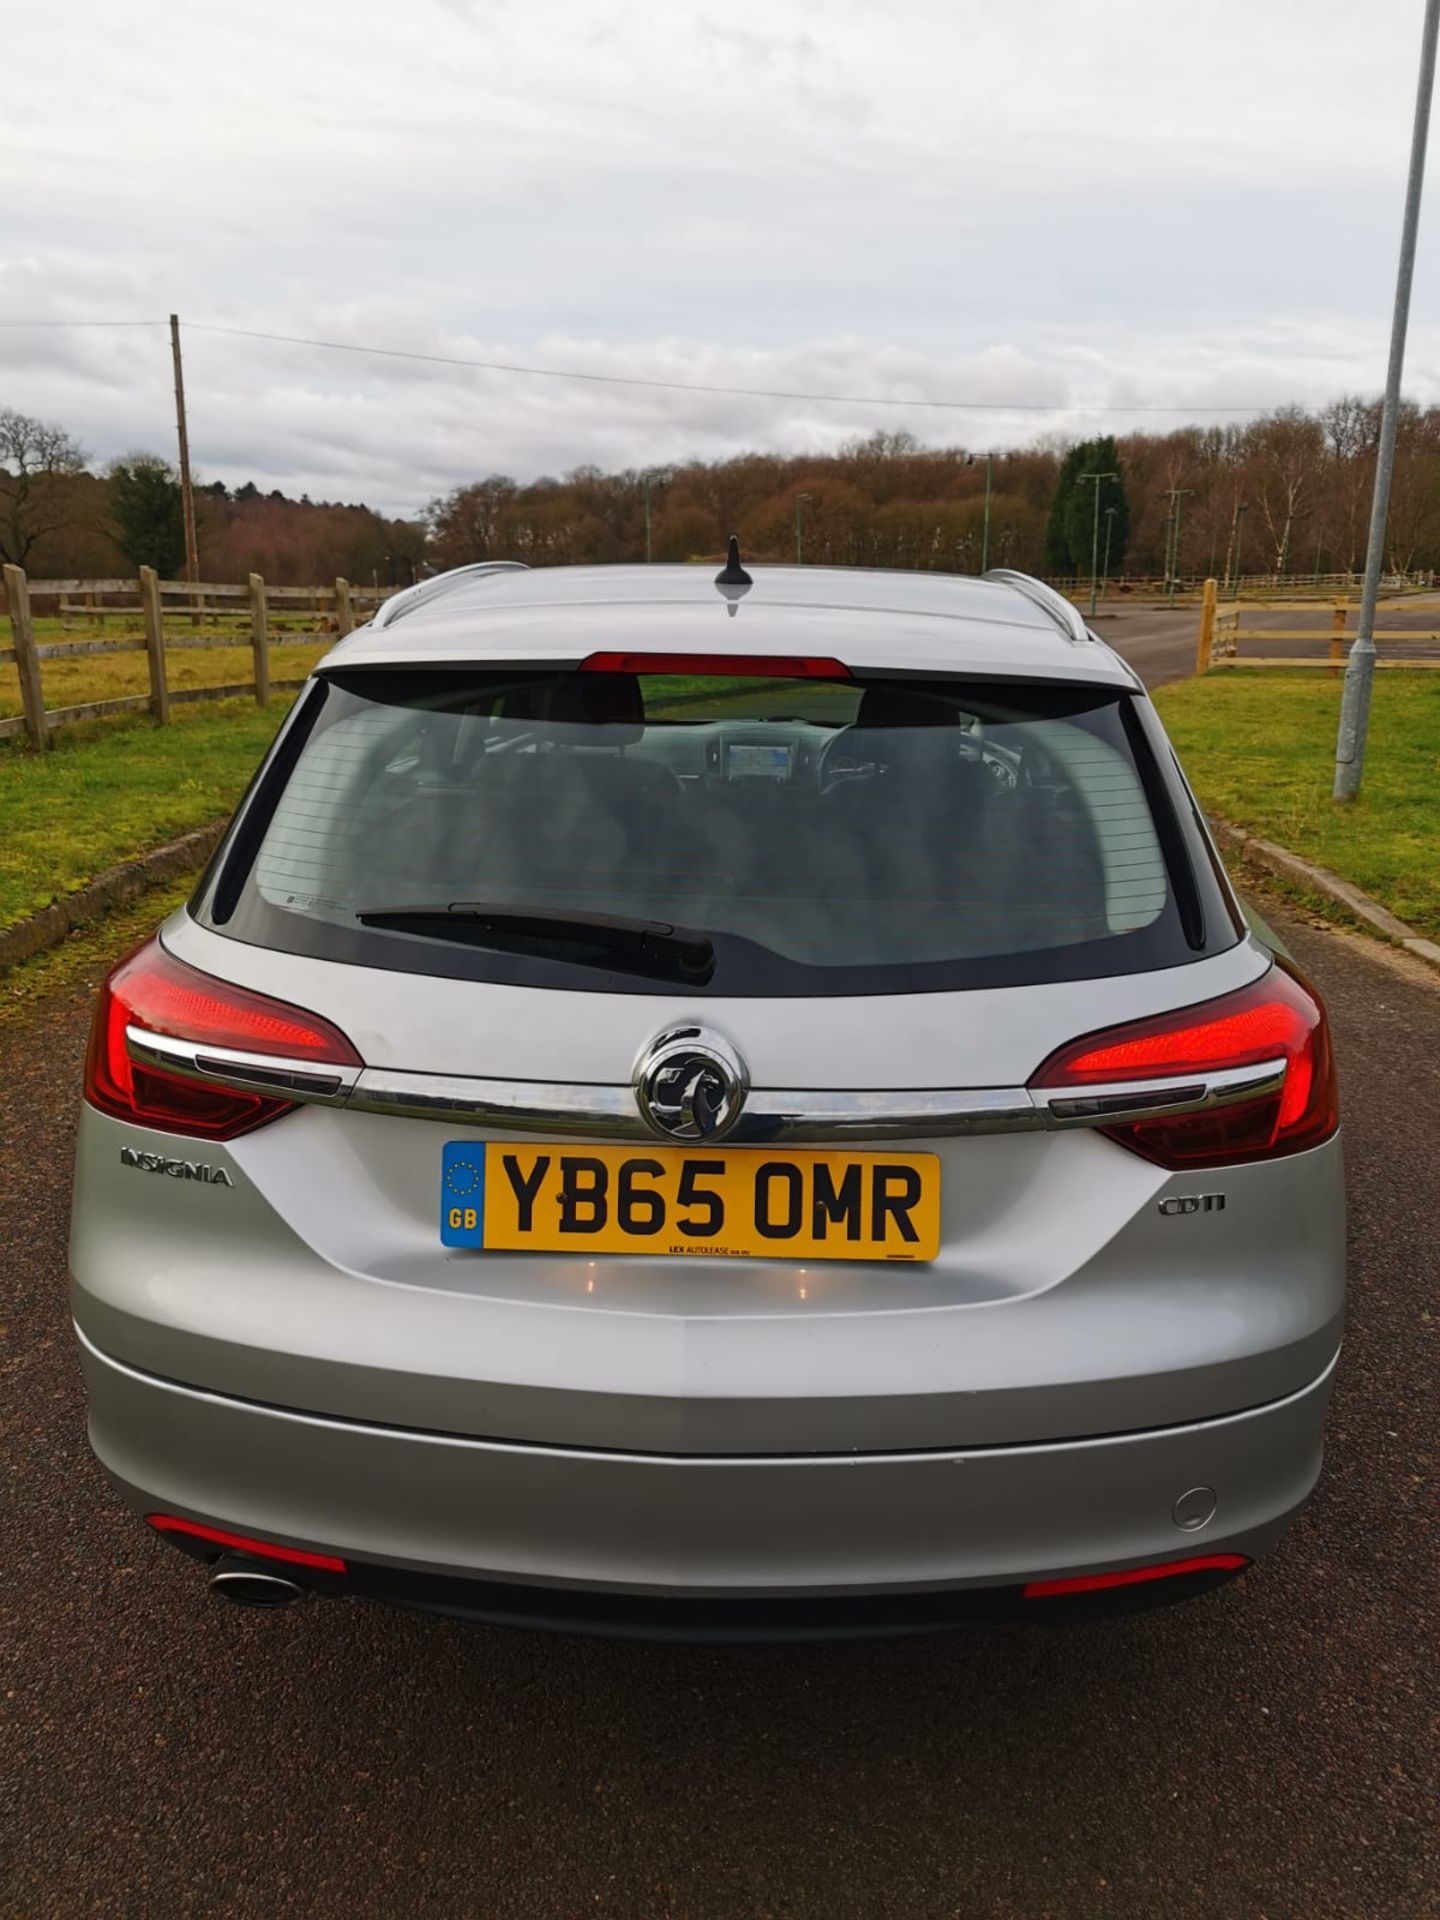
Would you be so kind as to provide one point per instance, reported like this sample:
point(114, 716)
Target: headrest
point(882, 707)
point(609, 700)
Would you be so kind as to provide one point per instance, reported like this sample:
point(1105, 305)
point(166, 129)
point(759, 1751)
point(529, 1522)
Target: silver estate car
point(718, 1106)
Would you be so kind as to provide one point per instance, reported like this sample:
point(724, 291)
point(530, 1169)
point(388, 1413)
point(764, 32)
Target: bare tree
point(1287, 449)
point(1414, 518)
point(36, 459)
point(1352, 432)
point(465, 525)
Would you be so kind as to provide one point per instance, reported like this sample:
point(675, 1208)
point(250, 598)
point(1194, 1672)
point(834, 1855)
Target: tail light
point(1278, 1020)
point(161, 995)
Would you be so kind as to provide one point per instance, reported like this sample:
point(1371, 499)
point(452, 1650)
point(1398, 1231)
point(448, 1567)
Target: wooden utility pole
point(187, 496)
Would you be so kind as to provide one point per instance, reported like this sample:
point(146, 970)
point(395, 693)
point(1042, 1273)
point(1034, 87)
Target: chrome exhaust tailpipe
point(250, 1583)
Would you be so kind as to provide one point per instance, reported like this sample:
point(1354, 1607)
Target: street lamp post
point(985, 522)
point(1230, 543)
point(1360, 671)
point(648, 479)
point(800, 499)
point(1109, 530)
point(1241, 509)
point(1172, 557)
point(1095, 479)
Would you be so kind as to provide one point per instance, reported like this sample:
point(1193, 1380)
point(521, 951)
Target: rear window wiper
point(655, 948)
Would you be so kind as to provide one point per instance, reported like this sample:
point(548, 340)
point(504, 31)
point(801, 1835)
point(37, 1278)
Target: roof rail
point(1051, 603)
point(399, 604)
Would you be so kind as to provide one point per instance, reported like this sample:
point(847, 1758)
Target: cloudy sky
point(1046, 206)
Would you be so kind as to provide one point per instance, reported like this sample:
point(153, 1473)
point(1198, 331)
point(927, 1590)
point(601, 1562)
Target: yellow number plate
point(745, 1202)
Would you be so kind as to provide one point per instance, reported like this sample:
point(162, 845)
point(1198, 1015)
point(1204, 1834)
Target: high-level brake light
point(154, 990)
point(728, 666)
point(1277, 1019)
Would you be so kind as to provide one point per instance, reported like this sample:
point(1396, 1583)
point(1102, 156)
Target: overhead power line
point(696, 386)
point(81, 323)
point(669, 386)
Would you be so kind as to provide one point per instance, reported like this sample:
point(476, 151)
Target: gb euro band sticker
point(462, 1194)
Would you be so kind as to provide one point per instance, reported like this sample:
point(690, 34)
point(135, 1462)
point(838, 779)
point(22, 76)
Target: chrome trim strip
point(246, 1072)
point(529, 1106)
point(1148, 1099)
point(903, 1115)
point(770, 1115)
point(795, 1116)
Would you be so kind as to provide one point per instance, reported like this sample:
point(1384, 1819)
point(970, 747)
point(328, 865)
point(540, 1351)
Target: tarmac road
point(1268, 1751)
point(1161, 645)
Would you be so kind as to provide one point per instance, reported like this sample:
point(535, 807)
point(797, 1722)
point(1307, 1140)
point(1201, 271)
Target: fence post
point(344, 612)
point(27, 664)
point(1207, 628)
point(155, 644)
point(1337, 635)
point(259, 640)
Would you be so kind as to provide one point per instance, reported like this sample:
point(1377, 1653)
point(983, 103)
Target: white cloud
point(1057, 200)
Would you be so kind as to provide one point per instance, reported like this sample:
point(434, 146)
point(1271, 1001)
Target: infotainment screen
point(746, 761)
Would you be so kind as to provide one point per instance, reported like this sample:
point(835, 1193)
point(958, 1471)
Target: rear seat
point(937, 828)
point(552, 815)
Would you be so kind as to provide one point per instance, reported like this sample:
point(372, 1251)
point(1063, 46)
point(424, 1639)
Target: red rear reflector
point(1278, 1018)
point(242, 1543)
point(744, 666)
point(1132, 1576)
point(154, 990)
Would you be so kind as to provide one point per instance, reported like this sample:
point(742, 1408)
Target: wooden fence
point(171, 614)
point(1257, 588)
point(1328, 628)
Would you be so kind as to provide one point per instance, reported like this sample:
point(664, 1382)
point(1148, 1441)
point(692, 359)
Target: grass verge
point(76, 966)
point(1260, 751)
point(109, 790)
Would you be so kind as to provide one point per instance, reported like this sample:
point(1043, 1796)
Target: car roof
point(872, 620)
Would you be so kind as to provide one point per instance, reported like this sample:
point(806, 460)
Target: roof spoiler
point(399, 604)
point(1054, 605)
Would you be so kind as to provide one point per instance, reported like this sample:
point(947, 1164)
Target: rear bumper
point(655, 1537)
point(641, 1616)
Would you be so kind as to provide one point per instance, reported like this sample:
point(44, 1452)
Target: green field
point(1259, 748)
point(108, 676)
point(109, 790)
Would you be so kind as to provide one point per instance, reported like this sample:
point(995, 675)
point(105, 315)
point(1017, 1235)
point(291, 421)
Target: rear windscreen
point(739, 836)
